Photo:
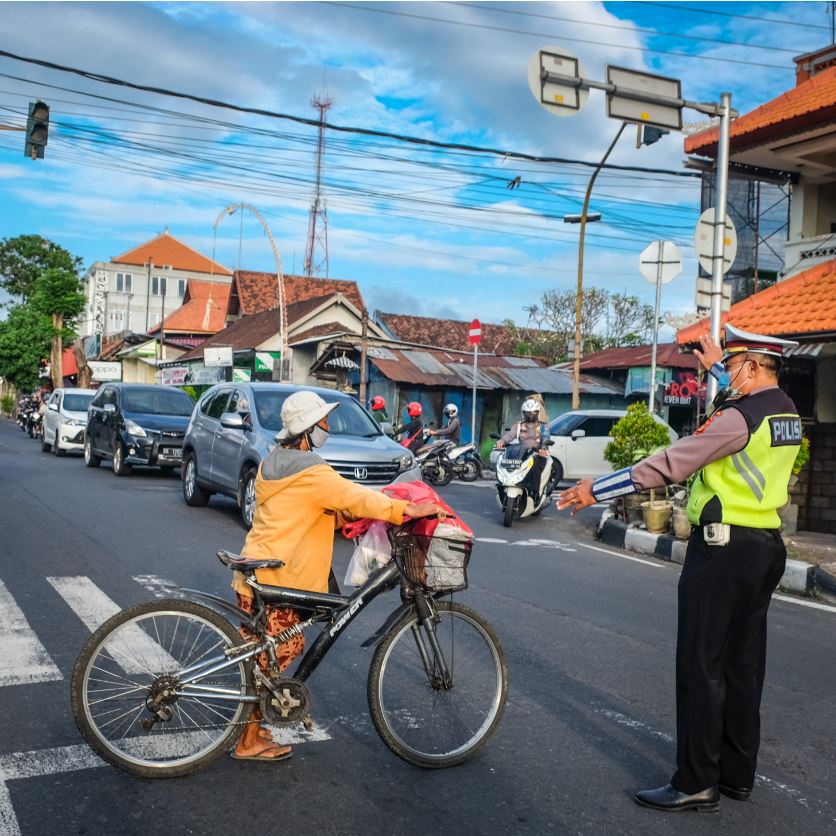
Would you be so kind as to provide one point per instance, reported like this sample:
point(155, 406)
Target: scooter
point(466, 462)
point(434, 461)
point(515, 493)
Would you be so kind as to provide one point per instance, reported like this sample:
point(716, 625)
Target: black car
point(136, 424)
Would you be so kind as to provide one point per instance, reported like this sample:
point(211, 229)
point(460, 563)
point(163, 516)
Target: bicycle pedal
point(307, 722)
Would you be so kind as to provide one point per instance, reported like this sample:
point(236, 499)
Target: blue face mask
point(318, 436)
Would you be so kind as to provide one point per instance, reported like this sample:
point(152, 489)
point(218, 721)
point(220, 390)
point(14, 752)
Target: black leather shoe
point(737, 793)
point(671, 800)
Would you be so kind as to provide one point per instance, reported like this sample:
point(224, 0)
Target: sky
point(423, 230)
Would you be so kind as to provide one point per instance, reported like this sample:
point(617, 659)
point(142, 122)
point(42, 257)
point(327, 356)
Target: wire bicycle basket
point(436, 563)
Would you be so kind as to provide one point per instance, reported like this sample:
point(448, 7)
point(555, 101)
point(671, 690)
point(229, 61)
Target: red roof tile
point(165, 250)
point(253, 292)
point(203, 310)
point(810, 104)
point(446, 333)
point(804, 304)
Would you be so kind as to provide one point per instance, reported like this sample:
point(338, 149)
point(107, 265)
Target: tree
point(57, 293)
point(629, 321)
point(24, 342)
point(26, 257)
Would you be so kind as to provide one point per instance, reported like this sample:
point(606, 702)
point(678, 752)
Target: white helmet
point(530, 410)
point(451, 410)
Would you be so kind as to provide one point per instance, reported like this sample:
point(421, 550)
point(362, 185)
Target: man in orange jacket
point(300, 500)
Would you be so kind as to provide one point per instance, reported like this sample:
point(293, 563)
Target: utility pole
point(364, 347)
point(316, 251)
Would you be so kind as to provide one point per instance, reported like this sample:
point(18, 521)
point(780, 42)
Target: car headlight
point(134, 429)
point(405, 462)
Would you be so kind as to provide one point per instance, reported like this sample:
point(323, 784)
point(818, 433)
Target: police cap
point(738, 341)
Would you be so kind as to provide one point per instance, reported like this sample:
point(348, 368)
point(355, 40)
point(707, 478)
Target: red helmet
point(378, 403)
point(413, 409)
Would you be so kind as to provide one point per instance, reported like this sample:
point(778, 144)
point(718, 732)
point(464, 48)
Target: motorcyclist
point(532, 434)
point(379, 410)
point(411, 433)
point(452, 430)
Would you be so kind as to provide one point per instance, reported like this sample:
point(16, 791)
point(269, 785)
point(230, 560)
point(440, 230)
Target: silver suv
point(234, 426)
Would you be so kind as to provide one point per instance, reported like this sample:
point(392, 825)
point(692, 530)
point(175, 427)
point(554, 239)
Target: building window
point(181, 287)
point(158, 286)
point(124, 282)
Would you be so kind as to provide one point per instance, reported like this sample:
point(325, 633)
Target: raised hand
point(711, 352)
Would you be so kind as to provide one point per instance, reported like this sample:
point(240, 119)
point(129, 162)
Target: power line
point(599, 25)
point(431, 143)
point(541, 35)
point(711, 11)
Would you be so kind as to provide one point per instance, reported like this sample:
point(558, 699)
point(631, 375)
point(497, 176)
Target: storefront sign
point(265, 361)
point(682, 390)
point(173, 375)
point(103, 371)
point(199, 375)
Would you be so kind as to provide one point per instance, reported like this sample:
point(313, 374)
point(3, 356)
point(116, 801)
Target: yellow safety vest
point(748, 487)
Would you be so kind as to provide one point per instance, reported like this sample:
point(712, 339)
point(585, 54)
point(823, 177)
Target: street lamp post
point(576, 377)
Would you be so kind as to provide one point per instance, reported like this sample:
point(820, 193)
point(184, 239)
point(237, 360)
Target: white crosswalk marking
point(93, 607)
point(23, 659)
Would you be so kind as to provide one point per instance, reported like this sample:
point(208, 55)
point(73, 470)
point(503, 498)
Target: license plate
point(171, 452)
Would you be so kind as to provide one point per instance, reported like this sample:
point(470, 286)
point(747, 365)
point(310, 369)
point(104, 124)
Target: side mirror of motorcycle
point(576, 434)
point(110, 408)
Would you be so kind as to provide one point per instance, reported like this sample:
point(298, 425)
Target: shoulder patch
point(785, 431)
point(705, 424)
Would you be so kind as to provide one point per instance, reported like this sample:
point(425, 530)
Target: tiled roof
point(253, 292)
point(244, 334)
point(203, 310)
point(668, 355)
point(446, 333)
point(810, 104)
point(165, 250)
point(318, 331)
point(251, 331)
point(802, 305)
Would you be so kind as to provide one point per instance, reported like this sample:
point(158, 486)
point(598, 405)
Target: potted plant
point(634, 437)
point(680, 521)
point(789, 512)
point(801, 459)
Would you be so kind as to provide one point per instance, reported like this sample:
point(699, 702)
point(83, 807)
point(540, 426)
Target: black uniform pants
point(724, 594)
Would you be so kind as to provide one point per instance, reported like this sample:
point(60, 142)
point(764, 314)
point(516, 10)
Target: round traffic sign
point(660, 261)
point(475, 332)
point(559, 99)
point(704, 242)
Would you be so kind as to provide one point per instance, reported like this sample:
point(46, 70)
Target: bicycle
point(167, 686)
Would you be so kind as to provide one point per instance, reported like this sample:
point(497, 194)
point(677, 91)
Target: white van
point(65, 420)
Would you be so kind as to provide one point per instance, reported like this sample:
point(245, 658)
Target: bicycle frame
point(340, 610)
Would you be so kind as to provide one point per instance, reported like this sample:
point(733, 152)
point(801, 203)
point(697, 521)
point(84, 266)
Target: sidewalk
point(811, 556)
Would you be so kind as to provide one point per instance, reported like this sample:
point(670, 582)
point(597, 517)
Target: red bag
point(415, 492)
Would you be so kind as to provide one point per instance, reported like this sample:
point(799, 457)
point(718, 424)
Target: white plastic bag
point(372, 551)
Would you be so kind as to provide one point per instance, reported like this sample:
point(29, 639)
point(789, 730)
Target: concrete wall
point(819, 512)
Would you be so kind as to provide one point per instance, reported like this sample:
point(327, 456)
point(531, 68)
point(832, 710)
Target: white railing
point(801, 253)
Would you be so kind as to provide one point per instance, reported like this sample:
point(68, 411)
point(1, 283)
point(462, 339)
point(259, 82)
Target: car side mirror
point(110, 408)
point(233, 421)
point(387, 428)
point(576, 434)
point(52, 406)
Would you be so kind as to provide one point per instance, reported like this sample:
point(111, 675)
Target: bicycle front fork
point(432, 658)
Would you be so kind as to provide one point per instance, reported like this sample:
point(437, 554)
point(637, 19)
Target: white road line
point(490, 540)
point(23, 659)
point(654, 564)
point(157, 586)
point(93, 607)
point(814, 605)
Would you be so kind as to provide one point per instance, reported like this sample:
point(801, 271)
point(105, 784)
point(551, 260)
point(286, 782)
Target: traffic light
point(648, 134)
point(37, 130)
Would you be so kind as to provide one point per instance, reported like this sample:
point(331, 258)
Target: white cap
point(739, 341)
point(301, 411)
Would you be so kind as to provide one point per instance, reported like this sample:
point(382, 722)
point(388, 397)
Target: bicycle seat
point(245, 564)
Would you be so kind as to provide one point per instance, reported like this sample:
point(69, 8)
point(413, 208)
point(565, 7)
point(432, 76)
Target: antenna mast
point(316, 250)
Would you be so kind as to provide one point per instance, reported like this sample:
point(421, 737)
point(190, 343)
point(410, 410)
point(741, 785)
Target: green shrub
point(634, 437)
point(802, 457)
point(7, 404)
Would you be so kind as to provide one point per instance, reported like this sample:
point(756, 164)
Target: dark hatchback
point(137, 424)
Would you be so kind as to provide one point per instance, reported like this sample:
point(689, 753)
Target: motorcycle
point(434, 461)
point(516, 494)
point(466, 462)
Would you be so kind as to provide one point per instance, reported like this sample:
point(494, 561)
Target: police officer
point(743, 456)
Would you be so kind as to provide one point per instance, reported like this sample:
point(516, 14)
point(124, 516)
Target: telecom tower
point(316, 250)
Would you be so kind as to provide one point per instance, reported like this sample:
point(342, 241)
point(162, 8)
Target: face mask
point(318, 436)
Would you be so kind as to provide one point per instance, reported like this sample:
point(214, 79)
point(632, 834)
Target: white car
point(65, 420)
point(579, 438)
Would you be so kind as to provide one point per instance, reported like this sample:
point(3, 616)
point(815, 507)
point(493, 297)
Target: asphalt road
point(589, 635)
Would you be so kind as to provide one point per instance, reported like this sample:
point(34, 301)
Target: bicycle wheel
point(417, 717)
point(137, 654)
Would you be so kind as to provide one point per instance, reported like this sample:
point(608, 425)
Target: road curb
point(799, 577)
point(824, 579)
